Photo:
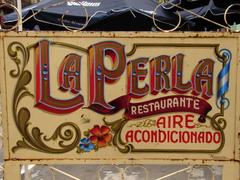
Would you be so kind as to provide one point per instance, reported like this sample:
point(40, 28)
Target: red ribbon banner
point(162, 105)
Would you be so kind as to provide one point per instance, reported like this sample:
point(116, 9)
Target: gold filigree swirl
point(67, 134)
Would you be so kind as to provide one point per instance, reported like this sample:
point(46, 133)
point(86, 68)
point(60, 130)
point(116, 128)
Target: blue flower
point(86, 145)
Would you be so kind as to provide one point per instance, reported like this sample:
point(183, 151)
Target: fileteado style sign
point(126, 96)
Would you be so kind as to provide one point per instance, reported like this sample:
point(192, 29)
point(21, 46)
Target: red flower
point(100, 136)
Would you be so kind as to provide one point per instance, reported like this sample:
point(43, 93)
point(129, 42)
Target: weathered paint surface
point(91, 97)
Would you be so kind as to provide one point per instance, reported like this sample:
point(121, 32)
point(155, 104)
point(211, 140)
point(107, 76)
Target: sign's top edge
point(117, 34)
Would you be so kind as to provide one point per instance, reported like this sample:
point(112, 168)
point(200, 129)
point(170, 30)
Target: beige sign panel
point(124, 96)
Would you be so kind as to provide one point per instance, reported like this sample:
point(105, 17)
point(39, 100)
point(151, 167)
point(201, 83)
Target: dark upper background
point(130, 19)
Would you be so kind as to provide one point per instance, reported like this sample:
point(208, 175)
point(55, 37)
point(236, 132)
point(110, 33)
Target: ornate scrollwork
point(13, 53)
point(146, 123)
point(223, 55)
point(33, 138)
point(117, 127)
point(219, 124)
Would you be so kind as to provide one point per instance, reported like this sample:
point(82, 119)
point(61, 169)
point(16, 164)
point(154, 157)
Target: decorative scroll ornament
point(116, 128)
point(67, 134)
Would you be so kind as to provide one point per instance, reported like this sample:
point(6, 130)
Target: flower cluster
point(97, 137)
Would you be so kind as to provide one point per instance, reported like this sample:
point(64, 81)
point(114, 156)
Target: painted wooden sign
point(120, 96)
